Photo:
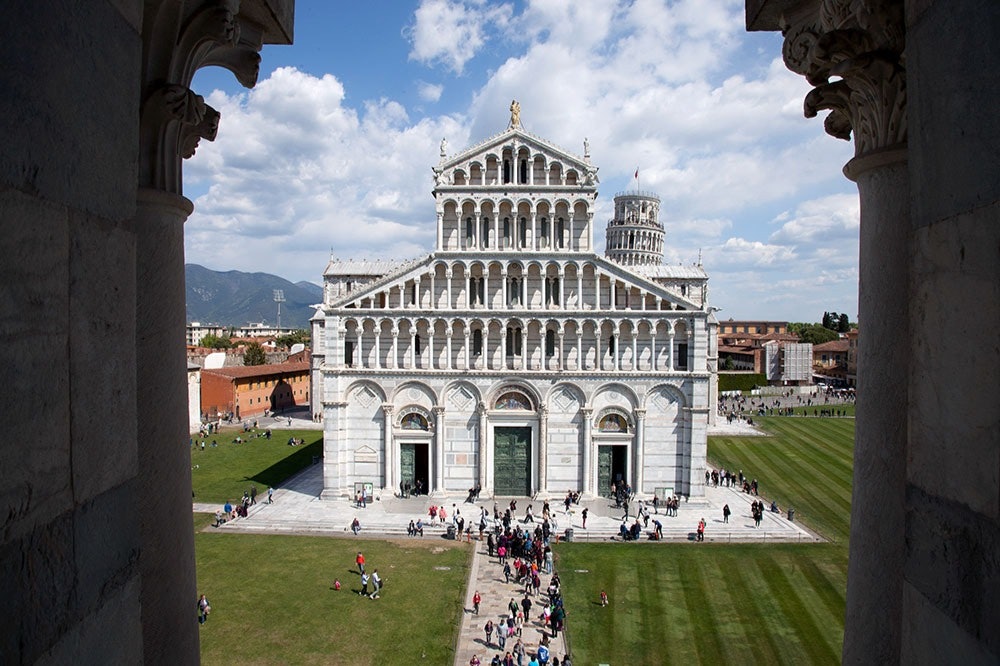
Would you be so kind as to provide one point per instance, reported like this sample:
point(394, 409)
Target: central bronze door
point(512, 461)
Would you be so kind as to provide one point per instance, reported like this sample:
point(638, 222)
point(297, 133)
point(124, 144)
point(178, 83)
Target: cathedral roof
point(678, 271)
point(524, 137)
point(371, 267)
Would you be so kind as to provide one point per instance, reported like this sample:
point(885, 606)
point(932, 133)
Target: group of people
point(523, 556)
point(241, 510)
point(374, 579)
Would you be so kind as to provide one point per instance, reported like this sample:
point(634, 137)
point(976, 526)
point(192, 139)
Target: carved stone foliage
point(852, 51)
point(174, 118)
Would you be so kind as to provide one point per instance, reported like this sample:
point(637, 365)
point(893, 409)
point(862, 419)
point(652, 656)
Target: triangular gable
point(606, 266)
point(498, 141)
point(372, 288)
point(641, 282)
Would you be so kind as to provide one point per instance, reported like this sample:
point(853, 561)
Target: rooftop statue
point(515, 113)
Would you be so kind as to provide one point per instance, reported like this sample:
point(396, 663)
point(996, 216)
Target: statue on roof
point(444, 147)
point(515, 113)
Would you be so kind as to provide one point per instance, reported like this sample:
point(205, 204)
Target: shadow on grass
point(286, 467)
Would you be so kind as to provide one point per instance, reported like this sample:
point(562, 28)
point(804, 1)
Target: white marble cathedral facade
point(514, 356)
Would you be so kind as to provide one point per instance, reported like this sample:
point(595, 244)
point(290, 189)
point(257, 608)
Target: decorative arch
point(373, 389)
point(667, 391)
point(493, 397)
point(414, 417)
point(616, 394)
point(614, 420)
point(416, 393)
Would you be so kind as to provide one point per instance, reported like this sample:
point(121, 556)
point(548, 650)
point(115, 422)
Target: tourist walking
point(476, 599)
point(203, 609)
point(360, 561)
point(725, 513)
point(376, 585)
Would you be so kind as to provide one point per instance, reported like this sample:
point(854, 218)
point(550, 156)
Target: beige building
point(515, 357)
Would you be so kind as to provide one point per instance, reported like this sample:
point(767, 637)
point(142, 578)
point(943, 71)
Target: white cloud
point(715, 126)
point(429, 92)
point(451, 33)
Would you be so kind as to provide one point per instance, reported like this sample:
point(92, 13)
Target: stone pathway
point(486, 575)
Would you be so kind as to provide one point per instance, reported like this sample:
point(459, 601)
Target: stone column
point(543, 448)
point(503, 286)
point(467, 349)
point(598, 355)
point(561, 276)
point(390, 459)
point(448, 334)
point(588, 474)
point(579, 347)
point(448, 275)
point(635, 349)
point(413, 346)
point(430, 346)
point(485, 479)
point(524, 289)
point(440, 230)
point(670, 349)
point(503, 347)
point(164, 478)
point(561, 362)
point(616, 353)
point(394, 363)
point(378, 346)
point(640, 449)
point(534, 230)
point(439, 448)
point(652, 341)
point(853, 55)
point(579, 287)
point(597, 289)
point(433, 296)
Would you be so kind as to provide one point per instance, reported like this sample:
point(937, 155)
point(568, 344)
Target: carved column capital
point(861, 43)
point(387, 408)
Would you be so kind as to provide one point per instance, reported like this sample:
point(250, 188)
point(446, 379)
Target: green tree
point(827, 320)
point(254, 354)
point(295, 337)
point(816, 334)
point(216, 342)
point(843, 324)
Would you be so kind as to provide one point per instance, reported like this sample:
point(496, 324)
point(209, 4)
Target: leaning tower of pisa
point(635, 235)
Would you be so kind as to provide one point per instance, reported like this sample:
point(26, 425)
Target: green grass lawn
point(723, 604)
point(224, 472)
point(272, 601)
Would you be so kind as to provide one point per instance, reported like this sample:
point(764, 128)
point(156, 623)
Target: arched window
point(416, 344)
point(468, 228)
point(560, 227)
point(486, 232)
point(506, 171)
point(506, 232)
point(513, 400)
point(524, 232)
point(523, 175)
point(550, 342)
point(613, 423)
point(414, 421)
point(477, 342)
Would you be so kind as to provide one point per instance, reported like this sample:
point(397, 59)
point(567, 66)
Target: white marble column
point(378, 347)
point(413, 347)
point(617, 352)
point(390, 458)
point(640, 449)
point(562, 278)
point(447, 293)
point(430, 346)
point(579, 347)
point(485, 479)
point(670, 350)
point(543, 449)
point(503, 283)
point(439, 432)
point(652, 342)
point(448, 334)
point(588, 473)
point(635, 349)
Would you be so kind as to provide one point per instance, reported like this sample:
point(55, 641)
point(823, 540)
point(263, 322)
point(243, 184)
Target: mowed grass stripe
point(704, 638)
point(749, 593)
point(726, 624)
point(829, 587)
point(800, 482)
point(810, 637)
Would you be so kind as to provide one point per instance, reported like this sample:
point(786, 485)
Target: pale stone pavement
point(486, 575)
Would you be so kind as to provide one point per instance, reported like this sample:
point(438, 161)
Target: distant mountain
point(234, 298)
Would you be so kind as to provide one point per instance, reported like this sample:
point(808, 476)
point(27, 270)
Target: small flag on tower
point(637, 173)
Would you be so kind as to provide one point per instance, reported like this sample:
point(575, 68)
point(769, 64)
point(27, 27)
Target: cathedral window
point(477, 342)
point(560, 228)
point(468, 228)
point(349, 353)
point(613, 423)
point(513, 341)
point(416, 343)
point(486, 232)
point(513, 400)
point(506, 171)
point(550, 343)
point(523, 172)
point(413, 294)
point(682, 356)
point(545, 228)
point(414, 421)
point(506, 232)
point(524, 232)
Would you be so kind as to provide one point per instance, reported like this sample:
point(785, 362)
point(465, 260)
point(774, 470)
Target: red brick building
point(250, 390)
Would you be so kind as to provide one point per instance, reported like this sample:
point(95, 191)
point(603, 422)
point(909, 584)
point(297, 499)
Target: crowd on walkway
point(522, 556)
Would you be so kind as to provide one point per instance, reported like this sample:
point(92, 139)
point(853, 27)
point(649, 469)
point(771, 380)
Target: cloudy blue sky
point(332, 151)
